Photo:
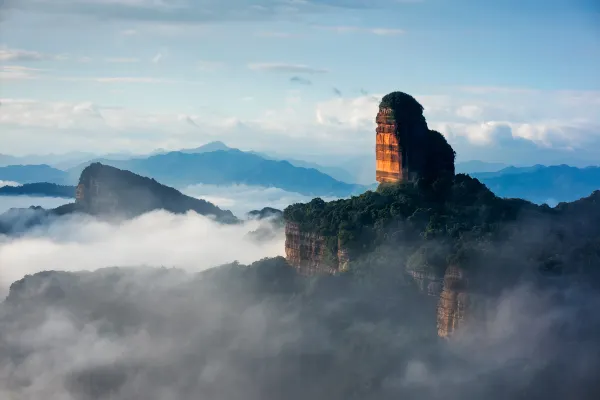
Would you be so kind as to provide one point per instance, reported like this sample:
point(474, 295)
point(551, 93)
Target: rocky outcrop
point(388, 153)
point(454, 301)
point(405, 147)
point(308, 252)
point(109, 191)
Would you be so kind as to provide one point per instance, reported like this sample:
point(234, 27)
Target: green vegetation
point(460, 222)
point(404, 106)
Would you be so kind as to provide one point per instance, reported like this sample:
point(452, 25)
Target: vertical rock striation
point(304, 250)
point(406, 149)
point(454, 301)
point(388, 153)
point(308, 252)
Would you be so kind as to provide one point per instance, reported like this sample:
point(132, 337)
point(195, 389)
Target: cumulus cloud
point(558, 124)
point(192, 242)
point(555, 123)
point(289, 68)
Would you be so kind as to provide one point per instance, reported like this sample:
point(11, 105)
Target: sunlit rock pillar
point(388, 152)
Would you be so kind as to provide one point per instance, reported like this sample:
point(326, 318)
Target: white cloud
point(550, 119)
point(288, 68)
point(7, 183)
point(17, 72)
point(190, 241)
point(17, 55)
point(8, 202)
point(487, 119)
point(241, 199)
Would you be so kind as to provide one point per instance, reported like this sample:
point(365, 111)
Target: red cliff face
point(454, 301)
point(388, 153)
point(307, 252)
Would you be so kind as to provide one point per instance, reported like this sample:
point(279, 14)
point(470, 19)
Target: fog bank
point(72, 243)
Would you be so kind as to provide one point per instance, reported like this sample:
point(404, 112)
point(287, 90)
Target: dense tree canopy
point(465, 224)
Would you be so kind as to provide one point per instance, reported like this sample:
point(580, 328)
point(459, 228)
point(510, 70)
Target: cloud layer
point(241, 199)
point(8, 202)
point(192, 242)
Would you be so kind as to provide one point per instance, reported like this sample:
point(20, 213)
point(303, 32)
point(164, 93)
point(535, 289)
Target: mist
point(192, 242)
point(241, 199)
point(8, 202)
point(8, 183)
point(161, 324)
point(170, 334)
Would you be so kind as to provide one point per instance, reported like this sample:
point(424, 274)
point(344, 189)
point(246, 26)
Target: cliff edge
point(446, 235)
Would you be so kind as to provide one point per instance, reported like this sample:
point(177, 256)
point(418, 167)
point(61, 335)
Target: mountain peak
point(109, 191)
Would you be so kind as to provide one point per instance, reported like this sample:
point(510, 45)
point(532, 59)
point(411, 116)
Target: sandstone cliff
point(388, 153)
point(109, 191)
point(406, 149)
point(309, 254)
point(454, 300)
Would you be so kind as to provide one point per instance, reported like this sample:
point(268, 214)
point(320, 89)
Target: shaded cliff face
point(308, 252)
point(109, 191)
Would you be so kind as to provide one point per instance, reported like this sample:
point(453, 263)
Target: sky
point(505, 81)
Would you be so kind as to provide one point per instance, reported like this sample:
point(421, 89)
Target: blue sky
point(511, 81)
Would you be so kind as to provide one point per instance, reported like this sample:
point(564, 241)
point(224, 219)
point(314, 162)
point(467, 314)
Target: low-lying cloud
point(160, 334)
point(8, 183)
point(191, 241)
point(240, 199)
point(8, 202)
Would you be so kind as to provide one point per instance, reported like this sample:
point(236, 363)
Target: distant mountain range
point(33, 174)
point(39, 189)
point(468, 167)
point(227, 167)
point(216, 163)
point(542, 184)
